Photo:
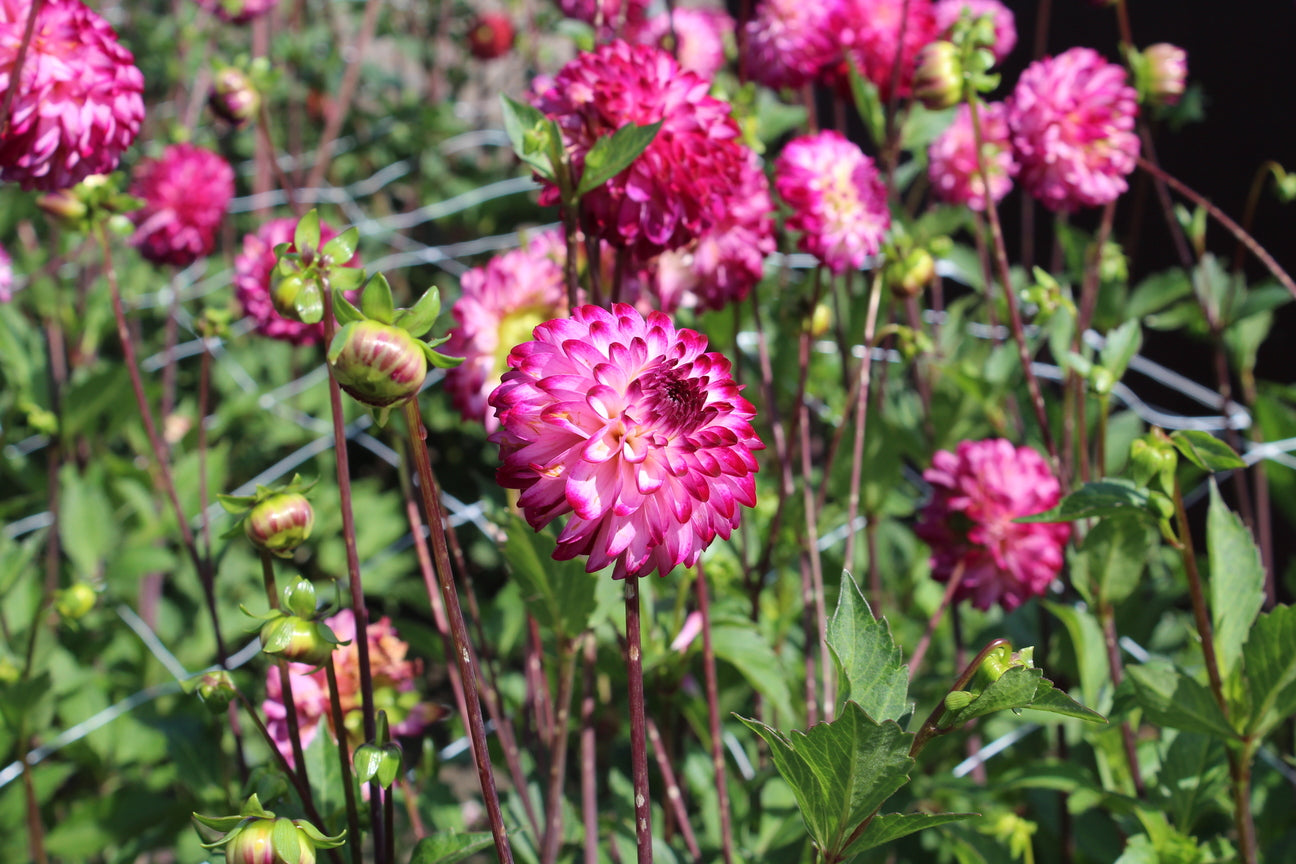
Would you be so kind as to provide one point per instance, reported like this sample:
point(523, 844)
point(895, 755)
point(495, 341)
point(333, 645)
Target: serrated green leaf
point(1171, 698)
point(1236, 582)
point(422, 316)
point(872, 667)
point(1205, 450)
point(892, 826)
point(560, 594)
point(342, 248)
point(747, 650)
point(1111, 561)
point(376, 301)
point(1121, 346)
point(840, 772)
point(1157, 292)
point(1270, 658)
point(1192, 776)
point(448, 847)
point(522, 120)
point(1017, 688)
point(1112, 497)
point(306, 235)
point(610, 155)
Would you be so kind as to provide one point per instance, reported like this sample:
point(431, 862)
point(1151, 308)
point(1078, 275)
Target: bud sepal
point(257, 836)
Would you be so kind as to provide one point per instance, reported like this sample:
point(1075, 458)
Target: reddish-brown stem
point(15, 73)
point(638, 724)
point(344, 760)
point(589, 752)
point(285, 677)
point(713, 717)
point(674, 797)
point(558, 754)
point(537, 681)
point(861, 415)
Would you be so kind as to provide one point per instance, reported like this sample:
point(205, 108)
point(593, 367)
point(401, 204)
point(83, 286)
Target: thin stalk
point(35, 827)
point(458, 629)
point(589, 751)
point(538, 682)
point(638, 723)
point(861, 413)
point(285, 677)
point(344, 759)
point(1108, 617)
point(713, 717)
point(389, 825)
point(920, 650)
point(674, 797)
point(558, 754)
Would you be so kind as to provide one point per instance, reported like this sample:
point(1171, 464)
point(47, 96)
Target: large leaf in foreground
point(872, 668)
point(1236, 582)
point(1270, 657)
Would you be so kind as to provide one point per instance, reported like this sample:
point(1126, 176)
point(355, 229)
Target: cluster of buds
point(938, 81)
point(97, 198)
point(296, 631)
point(235, 95)
point(257, 836)
point(379, 759)
point(306, 269)
point(994, 662)
point(276, 520)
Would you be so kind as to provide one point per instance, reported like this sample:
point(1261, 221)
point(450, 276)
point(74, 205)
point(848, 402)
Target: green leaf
point(344, 310)
point(1121, 346)
point(872, 668)
point(525, 125)
point(1111, 561)
point(309, 303)
point(450, 848)
point(1157, 292)
point(1205, 450)
point(1192, 777)
point(560, 594)
point(346, 278)
point(421, 317)
point(1171, 698)
point(747, 650)
point(1236, 582)
point(893, 826)
point(376, 301)
point(868, 104)
point(342, 248)
point(1017, 688)
point(840, 772)
point(306, 236)
point(1090, 649)
point(285, 842)
point(86, 525)
point(1112, 497)
point(1270, 657)
point(612, 154)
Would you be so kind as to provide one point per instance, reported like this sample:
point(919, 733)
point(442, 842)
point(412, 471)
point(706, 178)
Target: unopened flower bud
point(233, 97)
point(820, 320)
point(912, 273)
point(284, 294)
point(273, 841)
point(75, 601)
point(1153, 460)
point(280, 523)
point(298, 640)
point(1167, 70)
point(378, 364)
point(216, 689)
point(491, 36)
point(938, 82)
point(64, 206)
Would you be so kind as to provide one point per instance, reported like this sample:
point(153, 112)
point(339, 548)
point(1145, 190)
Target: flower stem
point(344, 757)
point(674, 796)
point(713, 717)
point(285, 677)
point(638, 722)
point(558, 753)
point(862, 393)
point(589, 751)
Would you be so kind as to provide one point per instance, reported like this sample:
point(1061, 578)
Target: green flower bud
point(378, 364)
point(938, 81)
point(75, 601)
point(298, 640)
point(820, 320)
point(1153, 460)
point(216, 689)
point(280, 523)
point(912, 273)
point(64, 206)
point(233, 97)
point(275, 841)
point(284, 295)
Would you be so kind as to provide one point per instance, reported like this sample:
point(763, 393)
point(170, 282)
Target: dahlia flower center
point(515, 328)
point(674, 401)
point(840, 195)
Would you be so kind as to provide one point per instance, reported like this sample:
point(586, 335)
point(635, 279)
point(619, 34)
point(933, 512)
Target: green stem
point(285, 677)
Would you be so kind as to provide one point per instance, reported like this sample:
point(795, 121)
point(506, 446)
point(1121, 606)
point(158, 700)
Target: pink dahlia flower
point(1072, 118)
point(837, 200)
point(722, 265)
point(186, 193)
point(238, 11)
point(77, 103)
point(700, 36)
point(1005, 24)
point(393, 682)
point(952, 163)
point(789, 42)
point(500, 305)
point(610, 18)
point(253, 275)
point(6, 276)
point(874, 33)
point(680, 185)
point(977, 493)
point(631, 427)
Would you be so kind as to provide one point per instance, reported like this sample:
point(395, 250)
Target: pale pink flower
point(186, 193)
point(874, 33)
point(1072, 118)
point(6, 276)
point(722, 265)
point(789, 42)
point(700, 36)
point(254, 277)
point(679, 185)
point(501, 303)
point(952, 163)
point(977, 492)
point(1167, 72)
point(1005, 24)
point(393, 677)
point(610, 18)
point(630, 426)
point(78, 102)
point(238, 11)
point(837, 199)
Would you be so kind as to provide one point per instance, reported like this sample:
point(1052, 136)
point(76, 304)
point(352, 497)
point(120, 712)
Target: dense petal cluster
point(1005, 23)
point(1072, 118)
point(722, 265)
point(977, 492)
point(700, 36)
point(500, 305)
point(186, 192)
point(393, 682)
point(77, 104)
point(682, 183)
point(789, 42)
point(836, 198)
point(883, 37)
point(952, 158)
point(238, 11)
point(634, 429)
point(254, 278)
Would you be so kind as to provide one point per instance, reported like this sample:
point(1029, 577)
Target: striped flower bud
point(378, 364)
point(280, 523)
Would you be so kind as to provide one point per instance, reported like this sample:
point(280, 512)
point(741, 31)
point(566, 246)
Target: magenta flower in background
point(837, 199)
point(700, 35)
point(876, 33)
point(253, 275)
point(680, 185)
point(952, 163)
point(1072, 119)
point(1005, 23)
point(977, 492)
point(500, 305)
point(186, 193)
point(237, 11)
point(630, 426)
point(610, 18)
point(77, 104)
point(6, 276)
point(789, 42)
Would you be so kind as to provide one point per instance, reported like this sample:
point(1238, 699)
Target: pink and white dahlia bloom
point(238, 11)
point(952, 162)
point(837, 199)
point(680, 185)
point(789, 42)
point(722, 265)
point(253, 280)
point(700, 36)
point(635, 430)
point(186, 193)
point(1072, 118)
point(77, 104)
point(977, 492)
point(876, 34)
point(500, 305)
point(1005, 23)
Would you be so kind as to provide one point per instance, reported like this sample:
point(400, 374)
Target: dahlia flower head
point(977, 492)
point(393, 682)
point(789, 42)
point(609, 18)
point(726, 262)
point(700, 36)
point(499, 306)
point(952, 158)
point(837, 200)
point(631, 427)
point(237, 11)
point(1072, 119)
point(948, 13)
point(186, 192)
point(254, 279)
point(77, 104)
point(682, 184)
point(876, 34)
